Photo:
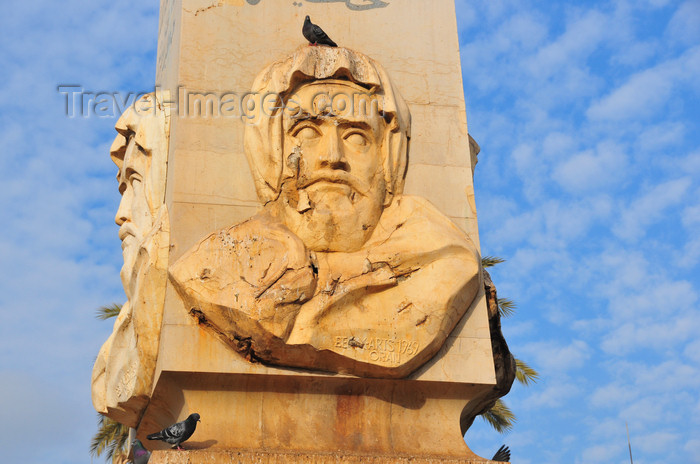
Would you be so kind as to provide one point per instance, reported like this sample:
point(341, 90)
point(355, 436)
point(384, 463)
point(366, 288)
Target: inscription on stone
point(383, 350)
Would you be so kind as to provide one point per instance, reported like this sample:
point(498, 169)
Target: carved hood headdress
point(264, 133)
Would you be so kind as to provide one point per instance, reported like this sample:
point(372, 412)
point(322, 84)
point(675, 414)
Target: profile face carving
point(141, 179)
point(134, 216)
point(336, 196)
point(124, 369)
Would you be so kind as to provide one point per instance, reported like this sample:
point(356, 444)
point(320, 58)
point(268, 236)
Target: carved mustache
point(127, 229)
point(336, 177)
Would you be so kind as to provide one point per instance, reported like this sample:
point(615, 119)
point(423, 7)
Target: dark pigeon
point(141, 455)
point(503, 454)
point(315, 34)
point(177, 433)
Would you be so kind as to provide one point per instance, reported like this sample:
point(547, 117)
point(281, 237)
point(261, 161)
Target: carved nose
point(123, 212)
point(333, 156)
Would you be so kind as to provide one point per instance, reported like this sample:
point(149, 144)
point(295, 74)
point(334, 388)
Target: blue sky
point(588, 184)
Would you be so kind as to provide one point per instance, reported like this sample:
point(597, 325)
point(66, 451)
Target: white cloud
point(658, 3)
point(666, 377)
point(554, 394)
point(611, 395)
point(658, 137)
point(603, 454)
point(689, 256)
point(592, 170)
point(34, 408)
point(646, 92)
point(683, 26)
point(691, 163)
point(555, 358)
point(645, 411)
point(637, 53)
point(692, 351)
point(557, 145)
point(652, 442)
point(650, 334)
point(581, 38)
point(690, 217)
point(692, 447)
point(515, 228)
point(652, 296)
point(650, 208)
point(524, 30)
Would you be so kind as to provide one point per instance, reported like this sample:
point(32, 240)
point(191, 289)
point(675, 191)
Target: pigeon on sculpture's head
point(502, 455)
point(315, 34)
point(141, 455)
point(177, 433)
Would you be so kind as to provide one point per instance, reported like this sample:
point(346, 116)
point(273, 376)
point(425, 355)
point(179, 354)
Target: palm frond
point(108, 312)
point(500, 417)
point(506, 307)
point(525, 374)
point(490, 261)
point(111, 438)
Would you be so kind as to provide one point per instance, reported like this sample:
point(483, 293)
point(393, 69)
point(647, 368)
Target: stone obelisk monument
point(301, 252)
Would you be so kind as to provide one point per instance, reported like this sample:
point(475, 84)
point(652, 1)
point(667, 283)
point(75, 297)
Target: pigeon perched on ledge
point(177, 433)
point(315, 34)
point(141, 454)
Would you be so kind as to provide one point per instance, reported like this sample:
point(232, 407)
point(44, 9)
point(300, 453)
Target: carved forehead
point(133, 125)
point(129, 156)
point(336, 101)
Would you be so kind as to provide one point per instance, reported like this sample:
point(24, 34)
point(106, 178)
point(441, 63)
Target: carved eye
point(357, 139)
point(135, 180)
point(307, 133)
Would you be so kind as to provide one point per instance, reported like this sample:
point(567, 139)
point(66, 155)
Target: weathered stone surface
point(122, 378)
point(258, 457)
point(340, 271)
point(311, 413)
point(287, 292)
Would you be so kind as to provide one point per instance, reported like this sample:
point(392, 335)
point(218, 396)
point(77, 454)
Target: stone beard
point(336, 197)
point(339, 271)
point(135, 214)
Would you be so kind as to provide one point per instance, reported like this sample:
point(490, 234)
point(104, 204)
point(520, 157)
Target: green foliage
point(490, 261)
point(506, 307)
point(111, 437)
point(108, 312)
point(500, 417)
point(525, 374)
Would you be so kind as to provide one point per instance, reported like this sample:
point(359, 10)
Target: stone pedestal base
point(319, 419)
point(264, 457)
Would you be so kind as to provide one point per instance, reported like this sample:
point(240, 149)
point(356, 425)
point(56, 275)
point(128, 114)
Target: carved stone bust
point(123, 373)
point(338, 271)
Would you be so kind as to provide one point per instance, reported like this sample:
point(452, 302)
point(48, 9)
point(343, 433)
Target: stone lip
point(237, 456)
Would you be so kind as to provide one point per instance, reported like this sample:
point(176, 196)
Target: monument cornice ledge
point(239, 456)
